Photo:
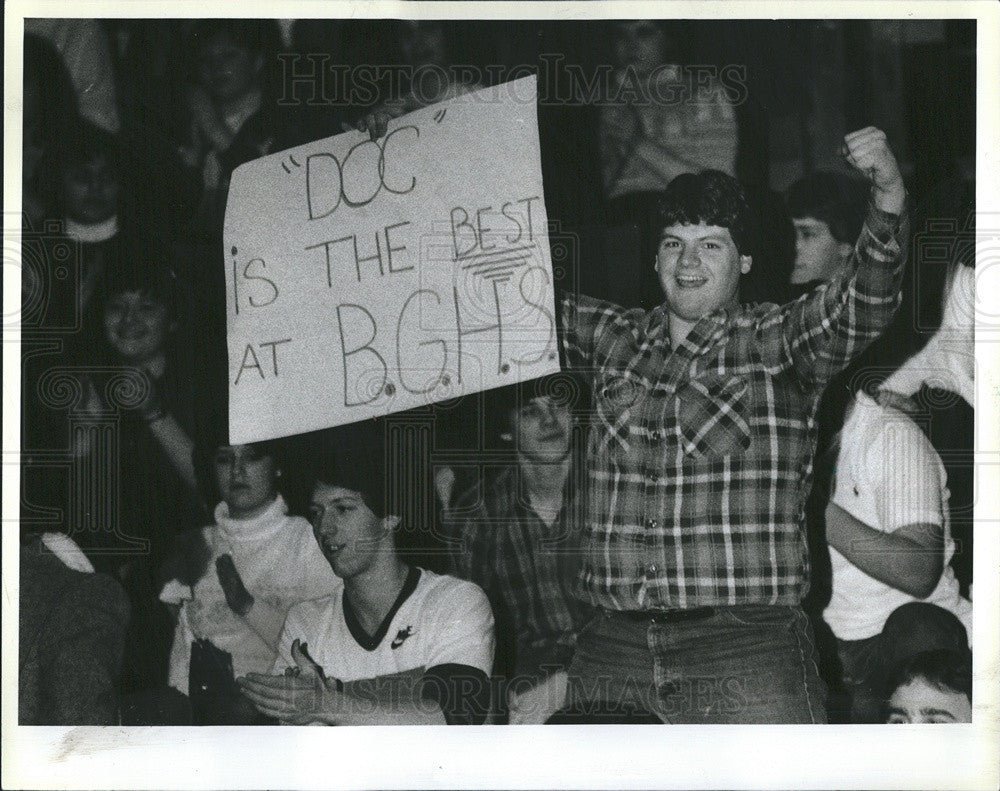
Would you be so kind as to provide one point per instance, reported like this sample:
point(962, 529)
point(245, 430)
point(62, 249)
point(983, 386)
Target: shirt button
point(651, 568)
point(652, 524)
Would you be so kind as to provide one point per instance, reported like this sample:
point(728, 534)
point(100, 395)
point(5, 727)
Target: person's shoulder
point(492, 493)
point(315, 611)
point(450, 591)
point(299, 526)
point(585, 303)
point(880, 432)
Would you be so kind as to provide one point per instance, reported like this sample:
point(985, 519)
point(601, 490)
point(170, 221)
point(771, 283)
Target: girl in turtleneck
point(256, 562)
point(887, 523)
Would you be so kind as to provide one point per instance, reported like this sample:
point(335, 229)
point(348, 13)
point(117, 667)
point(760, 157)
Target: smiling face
point(246, 478)
point(818, 255)
point(541, 429)
point(921, 702)
point(699, 268)
point(136, 325)
point(350, 535)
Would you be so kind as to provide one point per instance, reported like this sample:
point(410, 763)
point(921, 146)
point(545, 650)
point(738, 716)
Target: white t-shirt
point(442, 621)
point(888, 476)
point(280, 564)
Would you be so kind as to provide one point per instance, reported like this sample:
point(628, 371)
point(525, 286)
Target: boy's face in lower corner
point(919, 701)
point(818, 255)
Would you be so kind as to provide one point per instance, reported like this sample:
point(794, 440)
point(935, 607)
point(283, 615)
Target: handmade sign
point(372, 276)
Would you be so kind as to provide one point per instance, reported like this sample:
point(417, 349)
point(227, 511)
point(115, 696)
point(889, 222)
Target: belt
point(664, 616)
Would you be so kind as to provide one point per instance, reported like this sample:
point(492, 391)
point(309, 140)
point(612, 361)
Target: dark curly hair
point(838, 199)
point(710, 197)
point(944, 669)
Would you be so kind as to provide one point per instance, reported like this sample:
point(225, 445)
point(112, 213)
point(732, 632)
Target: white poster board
point(367, 277)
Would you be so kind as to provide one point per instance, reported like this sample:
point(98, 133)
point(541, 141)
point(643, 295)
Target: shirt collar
point(257, 528)
point(703, 335)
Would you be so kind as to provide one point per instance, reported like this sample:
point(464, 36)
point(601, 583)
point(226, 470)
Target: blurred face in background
point(90, 190)
point(228, 69)
point(422, 44)
point(640, 44)
point(137, 325)
point(541, 429)
point(246, 478)
point(818, 255)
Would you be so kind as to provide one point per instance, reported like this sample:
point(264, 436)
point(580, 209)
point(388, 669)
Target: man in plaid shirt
point(517, 537)
point(700, 461)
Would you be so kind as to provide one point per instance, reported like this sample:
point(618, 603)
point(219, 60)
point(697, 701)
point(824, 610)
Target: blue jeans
point(746, 664)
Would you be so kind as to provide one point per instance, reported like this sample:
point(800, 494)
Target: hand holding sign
point(372, 276)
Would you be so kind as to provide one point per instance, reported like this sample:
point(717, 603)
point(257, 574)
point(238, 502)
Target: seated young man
point(517, 535)
point(827, 209)
point(398, 645)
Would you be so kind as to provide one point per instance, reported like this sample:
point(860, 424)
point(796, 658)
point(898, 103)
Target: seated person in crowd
point(827, 210)
point(72, 630)
point(80, 179)
point(517, 536)
point(128, 434)
point(931, 687)
point(423, 49)
point(231, 120)
point(887, 520)
point(243, 573)
point(50, 107)
point(659, 121)
point(396, 645)
point(139, 325)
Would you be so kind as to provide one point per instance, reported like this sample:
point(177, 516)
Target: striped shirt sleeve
point(817, 335)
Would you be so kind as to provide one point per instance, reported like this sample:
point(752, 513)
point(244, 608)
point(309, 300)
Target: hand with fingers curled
point(868, 151)
point(301, 696)
point(376, 122)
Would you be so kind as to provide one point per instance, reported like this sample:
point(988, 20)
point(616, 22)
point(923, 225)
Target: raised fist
point(868, 150)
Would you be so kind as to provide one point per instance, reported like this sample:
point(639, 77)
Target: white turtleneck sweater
point(280, 564)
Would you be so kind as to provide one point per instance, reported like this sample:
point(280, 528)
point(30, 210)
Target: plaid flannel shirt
point(529, 568)
point(700, 457)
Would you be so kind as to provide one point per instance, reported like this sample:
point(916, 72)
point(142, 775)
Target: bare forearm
point(893, 559)
point(176, 444)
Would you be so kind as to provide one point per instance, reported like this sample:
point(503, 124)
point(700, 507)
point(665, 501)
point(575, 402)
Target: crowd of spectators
point(187, 591)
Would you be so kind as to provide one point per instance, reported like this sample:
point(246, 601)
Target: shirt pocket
point(617, 395)
point(711, 417)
